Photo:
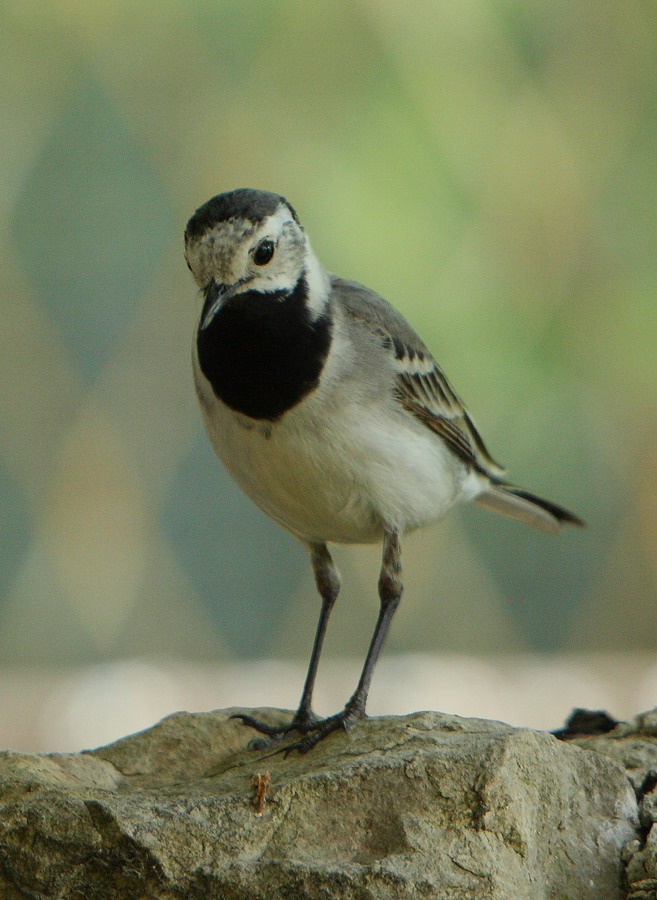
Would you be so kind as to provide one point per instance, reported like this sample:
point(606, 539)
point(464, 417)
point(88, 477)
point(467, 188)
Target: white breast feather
point(344, 463)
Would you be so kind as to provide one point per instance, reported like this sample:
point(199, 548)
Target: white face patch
point(318, 283)
point(225, 255)
point(287, 263)
point(219, 254)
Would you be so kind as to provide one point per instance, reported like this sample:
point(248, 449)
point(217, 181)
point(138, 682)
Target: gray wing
point(421, 387)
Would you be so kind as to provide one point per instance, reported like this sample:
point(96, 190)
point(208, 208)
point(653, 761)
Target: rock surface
point(426, 805)
point(633, 745)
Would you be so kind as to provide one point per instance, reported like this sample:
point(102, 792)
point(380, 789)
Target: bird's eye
point(263, 253)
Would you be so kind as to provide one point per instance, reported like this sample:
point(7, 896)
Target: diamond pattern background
point(490, 166)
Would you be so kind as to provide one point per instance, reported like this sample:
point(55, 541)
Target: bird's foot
point(303, 721)
point(324, 727)
point(313, 729)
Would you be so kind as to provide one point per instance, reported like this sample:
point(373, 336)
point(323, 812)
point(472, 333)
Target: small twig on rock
point(261, 782)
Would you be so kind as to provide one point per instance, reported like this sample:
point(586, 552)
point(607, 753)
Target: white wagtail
point(330, 413)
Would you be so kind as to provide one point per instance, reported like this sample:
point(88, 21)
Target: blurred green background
point(490, 166)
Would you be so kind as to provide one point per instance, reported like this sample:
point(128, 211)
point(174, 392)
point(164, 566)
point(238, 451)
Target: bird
point(331, 414)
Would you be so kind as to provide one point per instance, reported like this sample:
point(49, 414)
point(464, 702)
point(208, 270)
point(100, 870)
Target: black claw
point(263, 727)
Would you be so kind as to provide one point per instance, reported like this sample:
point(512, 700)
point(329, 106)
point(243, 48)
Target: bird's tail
point(525, 507)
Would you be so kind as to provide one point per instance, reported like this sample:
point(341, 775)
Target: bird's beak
point(214, 297)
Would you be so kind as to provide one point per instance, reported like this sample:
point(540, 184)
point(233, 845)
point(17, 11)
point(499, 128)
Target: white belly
point(342, 477)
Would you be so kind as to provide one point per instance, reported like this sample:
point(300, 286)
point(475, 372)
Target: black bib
point(262, 353)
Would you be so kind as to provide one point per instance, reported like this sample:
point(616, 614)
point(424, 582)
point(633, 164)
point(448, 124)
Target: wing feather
point(422, 387)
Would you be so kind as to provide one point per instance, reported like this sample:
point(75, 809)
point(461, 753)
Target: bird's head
point(247, 240)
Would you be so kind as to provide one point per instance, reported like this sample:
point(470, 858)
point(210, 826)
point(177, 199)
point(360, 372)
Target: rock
point(426, 805)
point(633, 745)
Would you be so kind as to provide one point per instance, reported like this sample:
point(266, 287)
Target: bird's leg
point(390, 591)
point(328, 585)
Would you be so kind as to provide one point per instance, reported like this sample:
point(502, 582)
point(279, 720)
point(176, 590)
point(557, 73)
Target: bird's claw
point(263, 727)
point(313, 730)
point(302, 723)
